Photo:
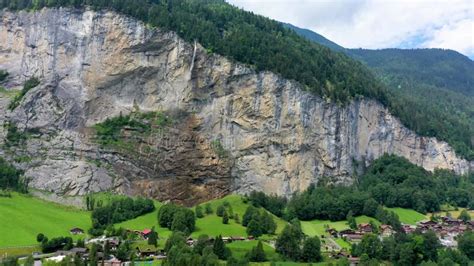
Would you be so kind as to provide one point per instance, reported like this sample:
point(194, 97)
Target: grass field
point(22, 217)
point(408, 216)
point(19, 251)
point(454, 213)
point(317, 227)
point(240, 248)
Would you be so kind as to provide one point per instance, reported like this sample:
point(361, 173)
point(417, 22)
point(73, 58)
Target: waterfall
point(192, 62)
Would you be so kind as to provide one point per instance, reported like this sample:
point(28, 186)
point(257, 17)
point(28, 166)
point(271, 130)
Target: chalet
point(451, 221)
point(333, 232)
point(76, 231)
point(112, 262)
point(365, 228)
point(238, 238)
point(146, 251)
point(145, 233)
point(78, 251)
point(250, 237)
point(386, 230)
point(190, 242)
point(408, 229)
point(345, 232)
point(356, 237)
point(226, 239)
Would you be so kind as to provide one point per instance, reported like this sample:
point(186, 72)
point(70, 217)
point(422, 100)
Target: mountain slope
point(445, 69)
point(315, 37)
point(185, 125)
point(427, 88)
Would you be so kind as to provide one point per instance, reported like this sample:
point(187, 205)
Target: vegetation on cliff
point(29, 84)
point(11, 178)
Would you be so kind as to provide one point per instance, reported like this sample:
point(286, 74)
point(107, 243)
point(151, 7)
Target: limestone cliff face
point(236, 130)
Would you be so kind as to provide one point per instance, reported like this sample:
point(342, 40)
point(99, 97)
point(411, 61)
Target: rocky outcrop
point(235, 129)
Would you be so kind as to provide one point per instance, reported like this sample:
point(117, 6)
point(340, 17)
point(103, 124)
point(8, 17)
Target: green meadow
point(22, 217)
point(408, 216)
point(318, 227)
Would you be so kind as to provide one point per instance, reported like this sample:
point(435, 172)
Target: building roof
point(146, 231)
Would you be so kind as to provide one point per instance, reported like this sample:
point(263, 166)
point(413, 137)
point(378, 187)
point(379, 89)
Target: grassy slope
point(211, 224)
point(316, 227)
point(240, 248)
point(23, 217)
point(408, 216)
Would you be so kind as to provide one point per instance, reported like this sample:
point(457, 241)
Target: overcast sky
point(378, 23)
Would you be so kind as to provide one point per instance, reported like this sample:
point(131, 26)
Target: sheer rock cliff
point(236, 129)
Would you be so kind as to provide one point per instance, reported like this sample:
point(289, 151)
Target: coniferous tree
point(311, 251)
point(257, 254)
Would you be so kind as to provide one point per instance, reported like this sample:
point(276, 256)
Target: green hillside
point(408, 216)
point(210, 225)
point(441, 68)
point(23, 217)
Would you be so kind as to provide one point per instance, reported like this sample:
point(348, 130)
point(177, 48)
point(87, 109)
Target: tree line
point(390, 181)
point(118, 210)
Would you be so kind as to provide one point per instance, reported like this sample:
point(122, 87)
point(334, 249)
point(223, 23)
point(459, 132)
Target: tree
point(209, 258)
point(183, 221)
point(371, 246)
point(202, 242)
point(288, 242)
point(431, 245)
point(176, 239)
point(153, 237)
point(257, 254)
point(465, 216)
point(249, 213)
point(370, 207)
point(351, 220)
point(268, 224)
point(166, 215)
point(254, 228)
point(220, 249)
point(209, 209)
point(237, 218)
point(123, 251)
point(199, 212)
point(225, 218)
point(220, 210)
point(80, 243)
point(311, 250)
point(466, 244)
point(40, 237)
point(93, 255)
point(30, 261)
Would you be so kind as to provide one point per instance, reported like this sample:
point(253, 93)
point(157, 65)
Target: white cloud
point(458, 36)
point(378, 23)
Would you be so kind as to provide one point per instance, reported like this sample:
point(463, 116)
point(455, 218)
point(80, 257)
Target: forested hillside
point(428, 88)
point(268, 45)
point(444, 69)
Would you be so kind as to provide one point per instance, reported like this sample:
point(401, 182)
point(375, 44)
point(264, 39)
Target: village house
point(145, 233)
point(144, 252)
point(112, 262)
point(365, 228)
point(333, 232)
point(386, 230)
point(76, 231)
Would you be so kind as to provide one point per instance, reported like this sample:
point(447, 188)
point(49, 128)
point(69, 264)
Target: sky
point(376, 24)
